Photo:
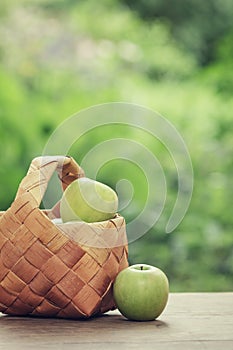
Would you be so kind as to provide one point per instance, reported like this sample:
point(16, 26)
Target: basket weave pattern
point(54, 270)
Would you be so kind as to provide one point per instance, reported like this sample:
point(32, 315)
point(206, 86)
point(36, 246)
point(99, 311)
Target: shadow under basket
point(52, 269)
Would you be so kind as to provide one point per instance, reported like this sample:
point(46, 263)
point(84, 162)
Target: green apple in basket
point(88, 200)
point(141, 292)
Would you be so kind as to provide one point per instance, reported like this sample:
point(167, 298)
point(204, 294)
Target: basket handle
point(40, 171)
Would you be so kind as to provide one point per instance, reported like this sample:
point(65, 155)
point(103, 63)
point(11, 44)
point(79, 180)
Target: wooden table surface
point(190, 321)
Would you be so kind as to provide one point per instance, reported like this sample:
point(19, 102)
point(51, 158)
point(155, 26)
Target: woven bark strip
point(56, 270)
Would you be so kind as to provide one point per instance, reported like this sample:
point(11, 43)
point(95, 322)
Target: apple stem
point(141, 267)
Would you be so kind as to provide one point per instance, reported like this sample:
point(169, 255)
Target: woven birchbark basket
point(56, 270)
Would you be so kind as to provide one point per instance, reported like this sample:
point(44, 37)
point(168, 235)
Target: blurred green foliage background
point(175, 57)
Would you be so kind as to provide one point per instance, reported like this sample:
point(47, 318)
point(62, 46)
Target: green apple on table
point(141, 292)
point(88, 200)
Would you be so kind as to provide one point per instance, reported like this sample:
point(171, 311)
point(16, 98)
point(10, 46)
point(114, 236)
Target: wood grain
point(190, 321)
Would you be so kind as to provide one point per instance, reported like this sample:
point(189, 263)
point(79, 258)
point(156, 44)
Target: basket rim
point(106, 234)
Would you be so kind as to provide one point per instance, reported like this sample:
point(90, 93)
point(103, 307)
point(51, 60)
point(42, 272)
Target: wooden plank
point(190, 321)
